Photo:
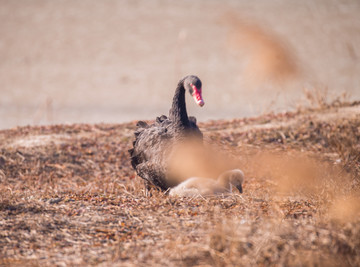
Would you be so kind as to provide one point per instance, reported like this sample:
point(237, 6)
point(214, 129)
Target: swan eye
point(195, 88)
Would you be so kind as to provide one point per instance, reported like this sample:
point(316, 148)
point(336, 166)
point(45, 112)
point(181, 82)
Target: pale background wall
point(113, 61)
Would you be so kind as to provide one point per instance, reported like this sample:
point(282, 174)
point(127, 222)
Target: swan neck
point(224, 181)
point(178, 111)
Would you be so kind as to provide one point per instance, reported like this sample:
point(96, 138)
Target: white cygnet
point(196, 186)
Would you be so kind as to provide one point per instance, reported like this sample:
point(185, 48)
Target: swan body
point(197, 186)
point(153, 143)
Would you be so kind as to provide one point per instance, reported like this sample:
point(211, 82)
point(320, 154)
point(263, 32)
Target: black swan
point(153, 143)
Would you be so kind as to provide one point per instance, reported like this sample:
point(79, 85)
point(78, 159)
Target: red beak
point(197, 95)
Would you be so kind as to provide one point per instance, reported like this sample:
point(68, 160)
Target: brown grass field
point(69, 197)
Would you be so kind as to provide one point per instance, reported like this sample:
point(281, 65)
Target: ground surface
point(68, 196)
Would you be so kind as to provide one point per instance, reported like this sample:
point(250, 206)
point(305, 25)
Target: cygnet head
point(234, 177)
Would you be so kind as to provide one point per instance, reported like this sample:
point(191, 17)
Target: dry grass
point(68, 196)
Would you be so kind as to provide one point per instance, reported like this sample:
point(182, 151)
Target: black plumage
point(153, 143)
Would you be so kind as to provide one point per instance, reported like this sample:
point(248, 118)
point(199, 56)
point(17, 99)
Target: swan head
point(192, 83)
point(234, 177)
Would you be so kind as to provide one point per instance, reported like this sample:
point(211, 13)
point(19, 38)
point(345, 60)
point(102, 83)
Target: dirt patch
point(39, 140)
